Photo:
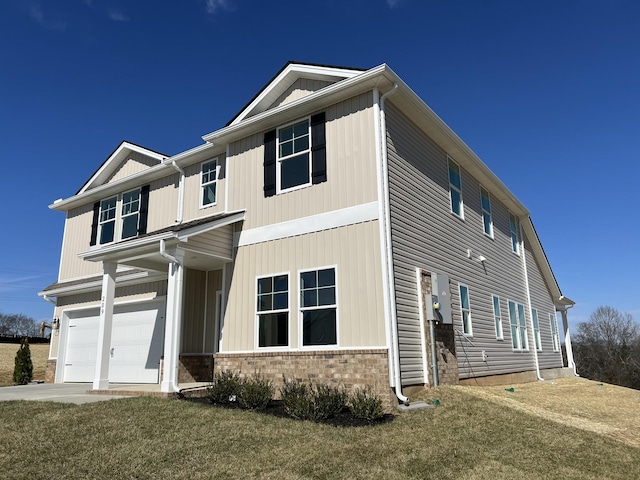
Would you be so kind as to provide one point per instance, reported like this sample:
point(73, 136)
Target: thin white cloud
point(118, 16)
point(37, 14)
point(212, 6)
point(392, 3)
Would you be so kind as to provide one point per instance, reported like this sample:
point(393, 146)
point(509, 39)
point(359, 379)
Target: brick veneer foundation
point(50, 371)
point(192, 368)
point(352, 368)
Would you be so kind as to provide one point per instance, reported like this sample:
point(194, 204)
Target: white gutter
point(523, 252)
point(46, 297)
point(177, 326)
point(180, 192)
point(385, 218)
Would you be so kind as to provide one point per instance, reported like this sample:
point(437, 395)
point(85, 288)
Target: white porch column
point(567, 340)
point(173, 324)
point(101, 377)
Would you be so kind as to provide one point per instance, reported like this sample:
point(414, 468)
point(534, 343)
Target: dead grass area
point(605, 409)
point(39, 355)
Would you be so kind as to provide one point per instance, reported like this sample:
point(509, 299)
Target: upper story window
point(513, 226)
point(455, 189)
point(487, 221)
point(130, 213)
point(295, 155)
point(208, 182)
point(465, 309)
point(497, 317)
point(318, 307)
point(120, 217)
point(107, 223)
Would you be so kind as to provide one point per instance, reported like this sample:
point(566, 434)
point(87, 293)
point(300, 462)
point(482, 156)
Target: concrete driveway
point(54, 392)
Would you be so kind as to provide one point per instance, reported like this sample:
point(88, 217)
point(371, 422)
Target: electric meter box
point(440, 301)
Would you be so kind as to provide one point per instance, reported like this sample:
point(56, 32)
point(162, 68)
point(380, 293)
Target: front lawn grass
point(39, 355)
point(466, 437)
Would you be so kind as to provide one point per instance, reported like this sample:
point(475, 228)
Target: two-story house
point(336, 229)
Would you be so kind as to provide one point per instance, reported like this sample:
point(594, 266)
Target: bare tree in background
point(607, 348)
point(17, 324)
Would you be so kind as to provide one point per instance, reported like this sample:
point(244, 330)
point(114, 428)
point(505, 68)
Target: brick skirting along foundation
point(350, 368)
point(192, 368)
point(50, 371)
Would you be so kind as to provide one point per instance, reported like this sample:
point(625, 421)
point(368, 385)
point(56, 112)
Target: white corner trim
point(314, 223)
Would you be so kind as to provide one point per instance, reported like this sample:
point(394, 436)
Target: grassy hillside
point(39, 354)
point(466, 437)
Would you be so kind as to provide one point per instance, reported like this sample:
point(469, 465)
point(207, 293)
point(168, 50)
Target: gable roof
point(285, 77)
point(113, 161)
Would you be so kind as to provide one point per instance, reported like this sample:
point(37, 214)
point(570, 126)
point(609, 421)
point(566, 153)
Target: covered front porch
point(196, 257)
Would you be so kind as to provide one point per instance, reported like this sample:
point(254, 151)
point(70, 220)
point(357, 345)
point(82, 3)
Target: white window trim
point(123, 216)
point(519, 327)
point(462, 310)
point(114, 220)
point(258, 313)
point(279, 160)
point(485, 212)
point(202, 184)
point(459, 190)
point(301, 345)
point(555, 338)
point(515, 250)
point(497, 318)
point(535, 321)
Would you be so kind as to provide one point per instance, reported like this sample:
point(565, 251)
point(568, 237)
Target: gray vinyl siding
point(542, 301)
point(425, 234)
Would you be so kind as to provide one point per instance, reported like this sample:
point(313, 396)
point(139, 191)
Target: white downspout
point(180, 193)
point(178, 326)
point(46, 298)
point(526, 286)
point(385, 217)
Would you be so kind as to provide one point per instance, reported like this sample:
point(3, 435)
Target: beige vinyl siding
point(427, 235)
point(136, 162)
point(217, 242)
point(351, 170)
point(163, 198)
point(192, 190)
point(354, 250)
point(542, 300)
point(198, 312)
point(76, 239)
point(298, 89)
point(129, 293)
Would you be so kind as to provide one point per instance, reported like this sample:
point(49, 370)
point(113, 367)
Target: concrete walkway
point(55, 392)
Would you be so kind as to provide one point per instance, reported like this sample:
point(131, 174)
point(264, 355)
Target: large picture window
point(208, 183)
point(294, 156)
point(273, 311)
point(318, 307)
point(107, 223)
point(130, 213)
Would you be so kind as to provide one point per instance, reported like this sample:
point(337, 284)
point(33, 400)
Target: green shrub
point(255, 393)
point(366, 405)
point(307, 402)
point(225, 388)
point(23, 371)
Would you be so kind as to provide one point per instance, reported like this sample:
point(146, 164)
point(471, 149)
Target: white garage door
point(136, 344)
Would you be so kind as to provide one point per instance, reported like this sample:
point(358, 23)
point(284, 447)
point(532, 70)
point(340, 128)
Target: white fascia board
point(184, 235)
point(95, 285)
point(121, 151)
point(99, 253)
point(344, 89)
point(194, 155)
point(289, 75)
point(103, 191)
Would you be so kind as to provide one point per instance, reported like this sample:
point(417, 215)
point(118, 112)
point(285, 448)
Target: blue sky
point(545, 92)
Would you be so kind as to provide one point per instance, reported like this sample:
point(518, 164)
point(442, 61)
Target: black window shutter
point(144, 210)
point(270, 163)
point(94, 224)
point(318, 149)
